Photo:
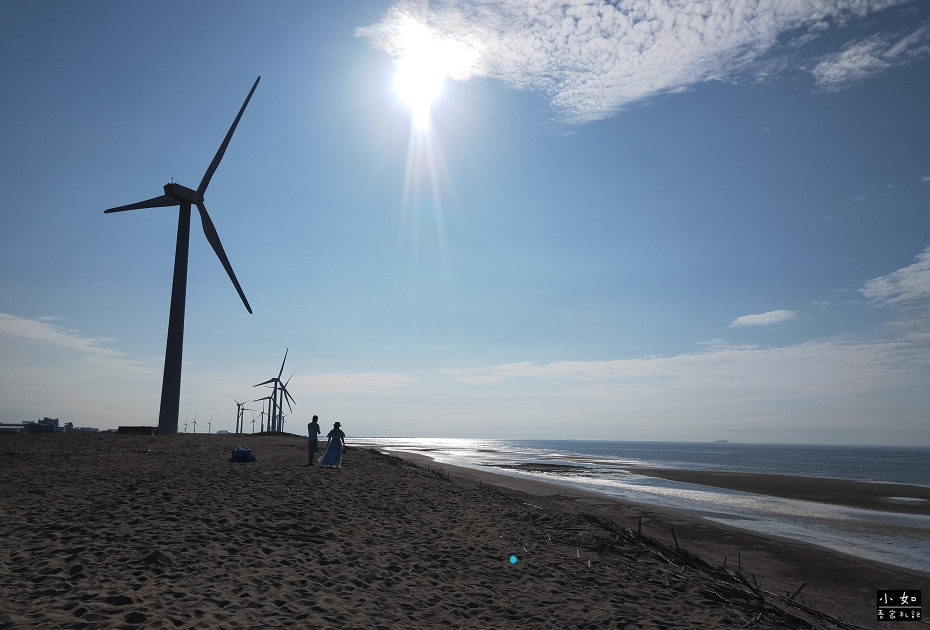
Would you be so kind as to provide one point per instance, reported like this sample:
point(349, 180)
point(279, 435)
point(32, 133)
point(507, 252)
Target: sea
point(608, 467)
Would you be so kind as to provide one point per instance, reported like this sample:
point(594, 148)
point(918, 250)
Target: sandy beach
point(118, 531)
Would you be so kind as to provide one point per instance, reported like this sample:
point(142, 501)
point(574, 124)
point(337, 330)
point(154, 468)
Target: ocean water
point(603, 466)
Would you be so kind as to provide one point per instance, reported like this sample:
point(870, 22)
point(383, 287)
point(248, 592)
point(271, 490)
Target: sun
point(426, 59)
point(418, 82)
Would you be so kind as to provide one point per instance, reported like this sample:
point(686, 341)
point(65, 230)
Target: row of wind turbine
point(279, 397)
point(274, 403)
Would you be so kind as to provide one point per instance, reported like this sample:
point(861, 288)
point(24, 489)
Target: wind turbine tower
point(178, 195)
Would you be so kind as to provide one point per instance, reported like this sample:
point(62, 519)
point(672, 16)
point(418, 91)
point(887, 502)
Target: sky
point(629, 220)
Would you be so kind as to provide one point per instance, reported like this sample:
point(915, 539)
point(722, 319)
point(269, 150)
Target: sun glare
point(418, 83)
point(426, 60)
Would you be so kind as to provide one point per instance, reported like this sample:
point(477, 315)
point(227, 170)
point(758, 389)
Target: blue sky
point(630, 220)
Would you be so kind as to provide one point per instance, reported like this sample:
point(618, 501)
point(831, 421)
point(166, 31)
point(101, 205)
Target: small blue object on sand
point(242, 454)
point(513, 559)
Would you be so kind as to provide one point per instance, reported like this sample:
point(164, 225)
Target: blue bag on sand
point(241, 454)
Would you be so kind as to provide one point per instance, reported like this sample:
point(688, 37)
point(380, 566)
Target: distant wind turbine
point(195, 423)
point(177, 195)
point(240, 415)
point(276, 408)
point(270, 403)
point(284, 396)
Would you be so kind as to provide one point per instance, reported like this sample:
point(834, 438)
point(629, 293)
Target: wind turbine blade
point(285, 396)
point(219, 154)
point(209, 231)
point(288, 394)
point(282, 364)
point(156, 202)
point(270, 380)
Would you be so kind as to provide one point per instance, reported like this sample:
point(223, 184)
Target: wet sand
point(886, 497)
point(118, 531)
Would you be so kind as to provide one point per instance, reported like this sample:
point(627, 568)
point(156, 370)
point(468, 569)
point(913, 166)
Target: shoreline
point(835, 581)
point(883, 512)
point(114, 531)
point(864, 495)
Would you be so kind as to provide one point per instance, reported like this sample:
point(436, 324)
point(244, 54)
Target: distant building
point(222, 432)
point(45, 425)
point(87, 429)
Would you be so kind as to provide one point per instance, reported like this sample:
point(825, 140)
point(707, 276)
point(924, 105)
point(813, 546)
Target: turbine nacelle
point(183, 194)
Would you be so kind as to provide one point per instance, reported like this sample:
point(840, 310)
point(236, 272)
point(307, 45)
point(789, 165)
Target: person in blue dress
point(313, 430)
point(335, 442)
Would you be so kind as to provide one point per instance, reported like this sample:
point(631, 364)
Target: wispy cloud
point(362, 383)
point(56, 371)
point(764, 319)
point(909, 284)
point(815, 369)
point(592, 57)
point(737, 374)
point(39, 330)
point(863, 59)
point(91, 349)
point(637, 369)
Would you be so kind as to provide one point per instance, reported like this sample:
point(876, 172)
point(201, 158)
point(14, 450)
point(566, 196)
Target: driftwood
point(725, 585)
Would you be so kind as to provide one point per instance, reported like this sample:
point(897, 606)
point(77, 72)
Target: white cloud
point(59, 372)
point(363, 383)
point(764, 319)
point(592, 57)
point(39, 330)
point(815, 369)
point(904, 285)
point(72, 346)
point(863, 59)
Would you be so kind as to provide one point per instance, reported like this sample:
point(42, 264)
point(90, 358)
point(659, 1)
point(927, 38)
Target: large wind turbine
point(177, 195)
